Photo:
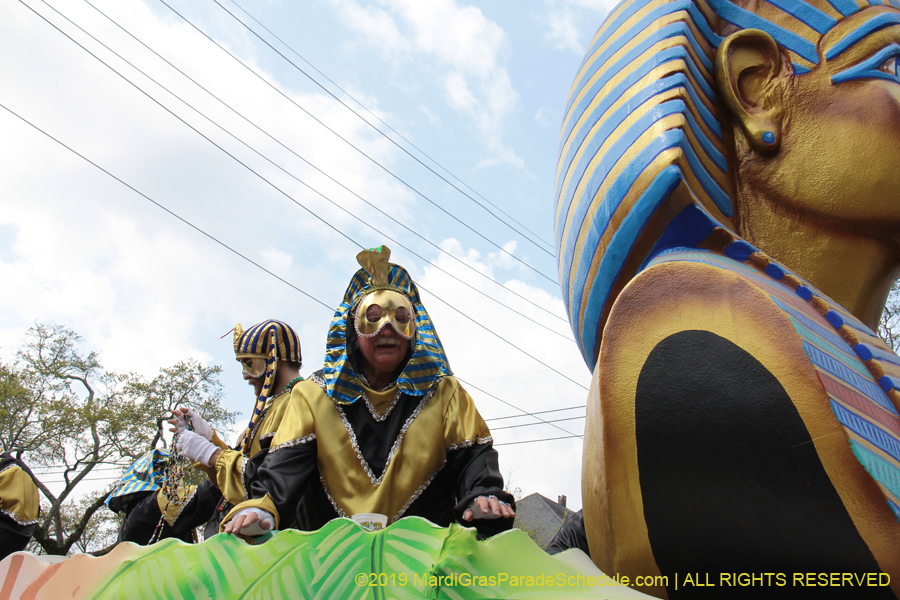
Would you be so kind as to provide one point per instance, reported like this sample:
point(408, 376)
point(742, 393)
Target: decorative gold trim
point(338, 509)
point(13, 516)
point(294, 442)
point(244, 460)
point(394, 448)
point(187, 500)
point(418, 492)
point(387, 411)
point(318, 381)
point(470, 443)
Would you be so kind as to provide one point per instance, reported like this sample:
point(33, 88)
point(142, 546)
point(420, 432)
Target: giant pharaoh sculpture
point(727, 227)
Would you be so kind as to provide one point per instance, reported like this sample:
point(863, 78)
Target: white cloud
point(562, 32)
point(468, 48)
point(568, 27)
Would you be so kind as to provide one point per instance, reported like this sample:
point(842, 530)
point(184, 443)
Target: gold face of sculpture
point(841, 133)
point(832, 134)
point(382, 307)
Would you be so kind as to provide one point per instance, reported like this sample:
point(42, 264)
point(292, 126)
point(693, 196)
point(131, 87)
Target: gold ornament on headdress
point(238, 332)
point(375, 262)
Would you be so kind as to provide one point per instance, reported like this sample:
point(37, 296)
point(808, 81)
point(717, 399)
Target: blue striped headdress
point(643, 133)
point(428, 362)
point(273, 341)
point(145, 475)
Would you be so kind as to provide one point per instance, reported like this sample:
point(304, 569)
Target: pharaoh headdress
point(427, 363)
point(273, 341)
point(642, 134)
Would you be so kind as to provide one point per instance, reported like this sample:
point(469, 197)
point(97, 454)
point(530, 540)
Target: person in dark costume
point(19, 505)
point(383, 428)
point(570, 535)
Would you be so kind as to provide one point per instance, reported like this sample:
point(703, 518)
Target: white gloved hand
point(195, 447)
point(200, 426)
point(264, 525)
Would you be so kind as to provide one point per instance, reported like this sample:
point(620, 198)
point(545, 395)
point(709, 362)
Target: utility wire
point(541, 412)
point(327, 91)
point(207, 234)
point(564, 437)
point(474, 387)
point(273, 185)
point(533, 424)
point(375, 162)
point(148, 198)
point(300, 181)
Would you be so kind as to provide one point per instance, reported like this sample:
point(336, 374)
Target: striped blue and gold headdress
point(428, 362)
point(145, 475)
point(273, 341)
point(643, 134)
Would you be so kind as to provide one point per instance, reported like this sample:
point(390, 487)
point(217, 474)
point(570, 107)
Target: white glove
point(200, 426)
point(195, 447)
point(264, 525)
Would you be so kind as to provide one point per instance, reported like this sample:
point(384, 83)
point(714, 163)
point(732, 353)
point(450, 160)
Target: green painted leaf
point(412, 558)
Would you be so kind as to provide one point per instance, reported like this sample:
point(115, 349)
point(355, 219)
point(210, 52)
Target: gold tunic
point(230, 466)
point(19, 498)
point(445, 419)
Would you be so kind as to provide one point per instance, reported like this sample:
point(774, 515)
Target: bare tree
point(889, 327)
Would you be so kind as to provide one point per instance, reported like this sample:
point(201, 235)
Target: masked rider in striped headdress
point(383, 428)
point(270, 355)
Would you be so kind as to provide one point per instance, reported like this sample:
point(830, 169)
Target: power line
point(264, 179)
point(327, 91)
point(533, 424)
point(349, 213)
point(375, 162)
point(222, 243)
point(148, 198)
point(564, 437)
point(474, 387)
point(541, 412)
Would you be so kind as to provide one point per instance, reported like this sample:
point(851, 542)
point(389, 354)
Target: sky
point(190, 165)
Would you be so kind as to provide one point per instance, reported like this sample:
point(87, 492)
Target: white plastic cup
point(371, 521)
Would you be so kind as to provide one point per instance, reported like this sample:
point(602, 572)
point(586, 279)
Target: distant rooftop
point(540, 517)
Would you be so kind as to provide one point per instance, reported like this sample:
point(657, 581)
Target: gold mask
point(254, 366)
point(382, 307)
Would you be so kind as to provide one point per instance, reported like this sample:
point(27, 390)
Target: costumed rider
point(138, 493)
point(270, 355)
point(383, 428)
point(144, 494)
point(19, 505)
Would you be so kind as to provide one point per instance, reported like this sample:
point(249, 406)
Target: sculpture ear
point(748, 70)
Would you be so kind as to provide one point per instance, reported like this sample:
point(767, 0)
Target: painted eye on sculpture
point(889, 66)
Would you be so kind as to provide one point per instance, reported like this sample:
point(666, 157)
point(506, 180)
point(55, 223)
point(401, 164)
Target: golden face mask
point(254, 366)
point(382, 307)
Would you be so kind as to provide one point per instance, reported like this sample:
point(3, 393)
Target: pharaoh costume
point(19, 505)
point(739, 419)
point(138, 493)
point(418, 447)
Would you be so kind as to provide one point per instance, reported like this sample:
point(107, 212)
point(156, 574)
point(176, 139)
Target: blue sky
point(479, 87)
